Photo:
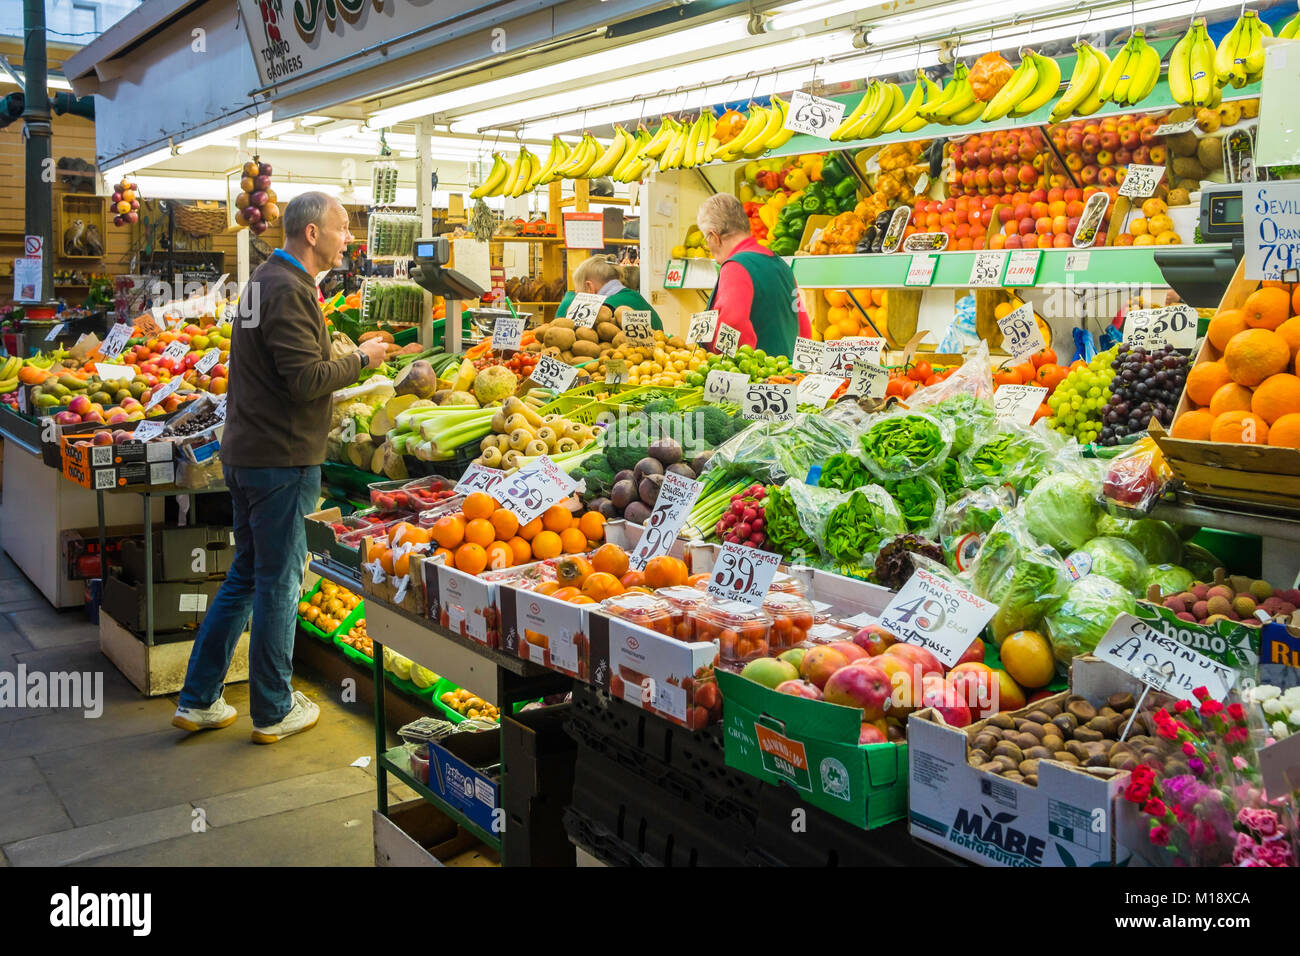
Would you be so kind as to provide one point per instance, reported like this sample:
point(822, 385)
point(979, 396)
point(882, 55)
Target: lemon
point(679, 252)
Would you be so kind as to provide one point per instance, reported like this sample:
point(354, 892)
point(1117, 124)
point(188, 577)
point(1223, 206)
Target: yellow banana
point(963, 96)
point(1201, 65)
point(1083, 78)
point(1180, 71)
point(1290, 29)
point(1021, 84)
point(659, 141)
point(907, 112)
point(1145, 70)
point(782, 134)
point(756, 146)
point(1048, 82)
point(1116, 72)
point(891, 98)
point(754, 125)
point(611, 156)
point(856, 113)
point(494, 179)
point(1230, 56)
point(1254, 55)
point(934, 100)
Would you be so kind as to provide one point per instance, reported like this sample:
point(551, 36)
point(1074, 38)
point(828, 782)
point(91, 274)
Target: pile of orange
point(1251, 393)
point(851, 312)
point(484, 536)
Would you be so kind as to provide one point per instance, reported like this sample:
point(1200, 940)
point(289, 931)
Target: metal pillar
point(39, 136)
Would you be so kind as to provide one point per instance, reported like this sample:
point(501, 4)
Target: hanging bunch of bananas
point(1082, 96)
point(1034, 82)
point(677, 145)
point(1239, 58)
point(509, 179)
point(879, 102)
point(1192, 77)
point(1132, 75)
point(1290, 30)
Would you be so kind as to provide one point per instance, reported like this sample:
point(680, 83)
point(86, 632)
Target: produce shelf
point(395, 762)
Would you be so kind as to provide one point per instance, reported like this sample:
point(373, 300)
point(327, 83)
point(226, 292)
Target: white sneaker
point(213, 717)
point(303, 717)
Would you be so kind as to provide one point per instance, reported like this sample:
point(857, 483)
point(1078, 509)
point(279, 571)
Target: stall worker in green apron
point(756, 293)
point(599, 276)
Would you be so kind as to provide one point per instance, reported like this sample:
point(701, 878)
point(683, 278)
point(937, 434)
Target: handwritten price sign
point(506, 333)
point(813, 115)
point(723, 386)
point(1021, 336)
point(1270, 214)
point(480, 478)
point(176, 351)
point(728, 340)
point(584, 308)
point(116, 340)
point(743, 574)
point(702, 327)
point(530, 491)
point(818, 389)
point(986, 269)
point(869, 381)
point(844, 355)
point(1017, 403)
point(163, 391)
point(677, 496)
point(772, 403)
point(1161, 661)
point(637, 327)
point(209, 360)
point(552, 373)
point(808, 354)
point(1173, 326)
point(937, 613)
point(1141, 181)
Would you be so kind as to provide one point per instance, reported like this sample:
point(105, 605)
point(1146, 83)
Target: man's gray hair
point(722, 213)
point(305, 209)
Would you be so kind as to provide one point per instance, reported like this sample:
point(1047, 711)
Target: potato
point(562, 322)
point(587, 335)
point(586, 349)
point(607, 331)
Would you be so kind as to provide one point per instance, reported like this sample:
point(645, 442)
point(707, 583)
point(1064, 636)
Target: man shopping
point(277, 417)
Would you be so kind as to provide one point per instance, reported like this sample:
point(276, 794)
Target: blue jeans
point(264, 580)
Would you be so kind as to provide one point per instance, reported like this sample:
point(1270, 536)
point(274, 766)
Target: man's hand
point(375, 350)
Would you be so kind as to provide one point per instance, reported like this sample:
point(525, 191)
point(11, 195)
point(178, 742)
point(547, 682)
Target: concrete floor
point(128, 789)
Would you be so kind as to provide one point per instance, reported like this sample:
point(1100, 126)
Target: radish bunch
point(742, 522)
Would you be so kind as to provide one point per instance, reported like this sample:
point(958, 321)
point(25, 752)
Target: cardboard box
point(176, 604)
point(103, 467)
point(813, 746)
point(543, 630)
point(463, 603)
point(651, 671)
point(406, 592)
point(1069, 819)
point(464, 769)
point(182, 554)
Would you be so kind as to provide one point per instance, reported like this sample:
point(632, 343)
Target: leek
point(451, 430)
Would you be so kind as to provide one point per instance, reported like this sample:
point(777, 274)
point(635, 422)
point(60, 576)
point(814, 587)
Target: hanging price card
point(1173, 129)
point(480, 478)
point(146, 431)
point(1141, 181)
point(1173, 326)
point(552, 373)
point(728, 340)
point(818, 389)
point(722, 386)
point(163, 391)
point(1022, 267)
point(616, 372)
point(637, 327)
point(921, 270)
point(813, 115)
point(702, 326)
point(116, 340)
point(1017, 403)
point(772, 403)
point(869, 381)
point(176, 351)
point(54, 332)
point(743, 574)
point(675, 274)
point(209, 360)
point(935, 612)
point(1161, 661)
point(506, 333)
point(1270, 214)
point(986, 269)
point(807, 355)
point(530, 491)
point(1021, 336)
point(147, 325)
point(677, 496)
point(584, 308)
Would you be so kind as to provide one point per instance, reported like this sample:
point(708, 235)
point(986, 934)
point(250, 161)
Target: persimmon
point(611, 559)
point(601, 585)
point(665, 572)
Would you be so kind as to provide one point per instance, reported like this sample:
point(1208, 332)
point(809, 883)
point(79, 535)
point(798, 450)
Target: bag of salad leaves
point(1023, 576)
point(920, 501)
point(849, 527)
point(967, 519)
point(900, 444)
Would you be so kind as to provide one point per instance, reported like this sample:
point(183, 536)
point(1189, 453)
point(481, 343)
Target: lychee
point(1187, 597)
point(1175, 605)
point(1201, 609)
point(1185, 616)
point(1244, 605)
point(1290, 595)
point(1220, 590)
point(1272, 605)
point(1286, 608)
point(1215, 618)
point(1202, 591)
point(1261, 590)
point(1218, 604)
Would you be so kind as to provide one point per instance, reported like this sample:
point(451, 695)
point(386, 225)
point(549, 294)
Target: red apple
point(973, 653)
point(1107, 175)
point(799, 688)
point(1123, 156)
point(1110, 140)
point(1038, 195)
point(79, 404)
point(1089, 174)
point(1147, 135)
point(864, 686)
point(1142, 154)
point(976, 685)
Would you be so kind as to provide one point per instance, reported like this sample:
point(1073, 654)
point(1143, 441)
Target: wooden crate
point(90, 209)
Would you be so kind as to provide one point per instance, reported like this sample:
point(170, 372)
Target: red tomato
point(1045, 357)
point(895, 387)
point(909, 386)
point(1006, 376)
point(920, 372)
point(933, 379)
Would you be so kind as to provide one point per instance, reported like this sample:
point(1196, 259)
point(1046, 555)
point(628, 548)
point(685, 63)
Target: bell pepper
point(796, 179)
point(846, 187)
point(832, 171)
point(779, 230)
point(812, 204)
point(768, 215)
point(784, 247)
point(795, 225)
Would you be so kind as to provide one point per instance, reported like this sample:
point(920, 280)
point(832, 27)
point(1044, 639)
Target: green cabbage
point(1112, 558)
point(1082, 618)
point(1169, 578)
point(1157, 540)
point(1062, 510)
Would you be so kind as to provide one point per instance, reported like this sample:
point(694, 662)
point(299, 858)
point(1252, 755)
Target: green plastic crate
point(345, 625)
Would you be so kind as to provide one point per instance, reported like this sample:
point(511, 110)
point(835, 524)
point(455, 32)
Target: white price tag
point(813, 115)
point(743, 574)
point(1021, 336)
point(1173, 129)
point(818, 389)
point(702, 327)
point(728, 340)
point(108, 371)
point(938, 614)
point(54, 332)
point(584, 308)
point(1077, 261)
point(1270, 214)
point(147, 430)
point(1173, 326)
point(844, 355)
point(1022, 267)
point(1141, 181)
point(1017, 403)
point(115, 341)
point(1161, 661)
point(210, 358)
point(480, 478)
point(921, 270)
point(721, 386)
point(616, 372)
point(1094, 212)
point(220, 410)
point(552, 373)
point(162, 391)
point(808, 354)
point(637, 327)
point(176, 351)
point(869, 381)
point(986, 269)
point(677, 496)
point(530, 491)
point(772, 403)
point(506, 333)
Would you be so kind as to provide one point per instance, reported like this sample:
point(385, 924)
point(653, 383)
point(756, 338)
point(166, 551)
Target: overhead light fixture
point(114, 174)
point(216, 137)
point(804, 13)
point(51, 82)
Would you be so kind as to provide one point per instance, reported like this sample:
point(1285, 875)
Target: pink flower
point(1236, 712)
point(1189, 749)
point(1261, 821)
point(1156, 807)
point(1201, 693)
point(1275, 853)
point(1239, 762)
point(1160, 835)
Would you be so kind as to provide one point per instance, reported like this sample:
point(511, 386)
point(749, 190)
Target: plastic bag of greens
point(1157, 540)
point(901, 444)
point(844, 472)
point(781, 522)
point(1112, 558)
point(1012, 454)
point(1082, 618)
point(771, 452)
point(1062, 509)
point(1018, 573)
point(974, 378)
point(920, 501)
point(966, 521)
point(849, 527)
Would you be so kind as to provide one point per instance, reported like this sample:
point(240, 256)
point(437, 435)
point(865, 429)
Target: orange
point(700, 580)
point(402, 565)
point(519, 547)
point(1267, 308)
point(592, 524)
point(836, 298)
point(611, 559)
point(1224, 326)
point(1206, 379)
point(376, 550)
point(1240, 428)
point(480, 531)
point(1295, 300)
point(479, 504)
point(500, 555)
point(547, 544)
point(529, 531)
point(1276, 396)
point(449, 531)
point(601, 585)
point(1027, 657)
point(1290, 330)
point(386, 561)
point(505, 523)
point(665, 572)
point(448, 558)
point(1255, 354)
point(471, 558)
point(573, 569)
point(1230, 398)
point(557, 518)
point(573, 541)
point(1193, 425)
point(582, 599)
point(1285, 432)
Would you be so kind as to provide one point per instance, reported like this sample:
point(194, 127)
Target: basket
point(203, 218)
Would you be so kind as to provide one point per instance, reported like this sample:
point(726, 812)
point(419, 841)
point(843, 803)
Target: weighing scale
point(429, 271)
point(1200, 272)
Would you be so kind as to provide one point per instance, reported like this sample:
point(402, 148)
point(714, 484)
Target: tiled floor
point(127, 789)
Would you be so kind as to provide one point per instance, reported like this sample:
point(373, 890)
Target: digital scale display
point(1221, 213)
point(424, 250)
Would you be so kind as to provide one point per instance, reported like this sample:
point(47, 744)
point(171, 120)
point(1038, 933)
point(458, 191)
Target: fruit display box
point(463, 771)
point(406, 592)
point(1280, 659)
point(812, 746)
point(545, 631)
point(1261, 474)
point(463, 603)
point(130, 462)
point(1068, 819)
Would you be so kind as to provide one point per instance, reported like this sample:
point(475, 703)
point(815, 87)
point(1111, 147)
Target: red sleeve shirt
point(735, 297)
